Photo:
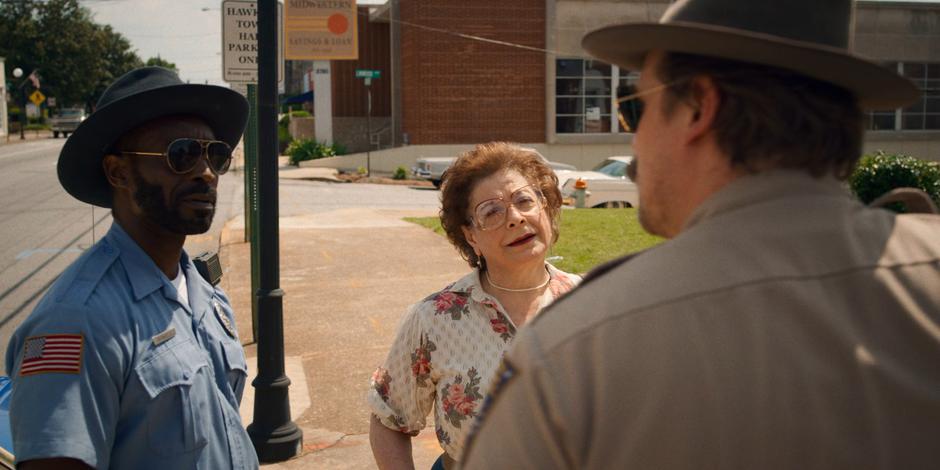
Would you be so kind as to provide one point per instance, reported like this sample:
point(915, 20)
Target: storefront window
point(583, 96)
point(923, 114)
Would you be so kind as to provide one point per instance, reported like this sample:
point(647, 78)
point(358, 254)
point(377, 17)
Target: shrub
point(400, 173)
point(880, 173)
point(284, 138)
point(362, 170)
point(339, 149)
point(308, 149)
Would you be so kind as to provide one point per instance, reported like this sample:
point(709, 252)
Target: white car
point(433, 168)
point(607, 185)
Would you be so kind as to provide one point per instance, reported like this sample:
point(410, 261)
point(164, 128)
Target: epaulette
point(593, 274)
point(89, 273)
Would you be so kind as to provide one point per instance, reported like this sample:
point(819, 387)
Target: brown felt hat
point(810, 37)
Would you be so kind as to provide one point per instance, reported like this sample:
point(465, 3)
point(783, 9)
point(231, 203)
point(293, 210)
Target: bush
point(400, 173)
point(308, 149)
point(880, 173)
point(362, 170)
point(284, 138)
point(339, 149)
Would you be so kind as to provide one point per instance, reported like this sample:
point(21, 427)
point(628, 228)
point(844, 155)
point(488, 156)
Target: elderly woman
point(500, 208)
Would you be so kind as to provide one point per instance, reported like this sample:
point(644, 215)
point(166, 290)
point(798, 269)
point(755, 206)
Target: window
point(584, 91)
point(923, 114)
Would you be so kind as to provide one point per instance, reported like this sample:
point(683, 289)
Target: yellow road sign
point(37, 97)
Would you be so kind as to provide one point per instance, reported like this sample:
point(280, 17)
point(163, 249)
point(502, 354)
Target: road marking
point(27, 253)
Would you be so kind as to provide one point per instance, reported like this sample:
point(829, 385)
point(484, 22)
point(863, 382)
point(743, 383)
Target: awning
point(301, 98)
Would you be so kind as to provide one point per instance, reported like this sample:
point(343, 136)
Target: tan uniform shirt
point(787, 327)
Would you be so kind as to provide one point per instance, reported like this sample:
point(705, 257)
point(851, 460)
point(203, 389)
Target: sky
point(185, 32)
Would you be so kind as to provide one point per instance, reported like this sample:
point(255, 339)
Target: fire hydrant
point(580, 193)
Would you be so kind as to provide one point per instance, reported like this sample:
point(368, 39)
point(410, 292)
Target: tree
point(160, 62)
point(73, 54)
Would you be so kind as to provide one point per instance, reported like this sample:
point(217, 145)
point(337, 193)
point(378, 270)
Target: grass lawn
point(588, 237)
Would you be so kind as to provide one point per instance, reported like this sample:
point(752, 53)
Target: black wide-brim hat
point(136, 98)
point(809, 37)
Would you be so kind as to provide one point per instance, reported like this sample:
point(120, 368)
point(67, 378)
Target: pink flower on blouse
point(455, 393)
point(466, 406)
point(499, 326)
point(446, 301)
point(422, 364)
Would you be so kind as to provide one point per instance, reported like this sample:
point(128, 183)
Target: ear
point(470, 235)
point(704, 107)
point(117, 171)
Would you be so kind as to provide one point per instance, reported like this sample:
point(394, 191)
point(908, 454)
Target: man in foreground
point(783, 325)
point(132, 359)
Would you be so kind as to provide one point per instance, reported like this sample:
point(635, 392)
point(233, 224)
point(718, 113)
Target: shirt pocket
point(179, 385)
point(237, 367)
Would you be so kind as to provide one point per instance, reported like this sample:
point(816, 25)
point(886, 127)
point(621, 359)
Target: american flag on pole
point(52, 353)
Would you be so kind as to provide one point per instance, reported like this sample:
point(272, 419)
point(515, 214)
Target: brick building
point(460, 73)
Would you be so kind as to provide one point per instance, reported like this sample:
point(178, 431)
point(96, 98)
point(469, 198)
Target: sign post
point(367, 76)
point(240, 67)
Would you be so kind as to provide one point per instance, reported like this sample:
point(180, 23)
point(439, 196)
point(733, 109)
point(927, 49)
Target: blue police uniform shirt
point(112, 369)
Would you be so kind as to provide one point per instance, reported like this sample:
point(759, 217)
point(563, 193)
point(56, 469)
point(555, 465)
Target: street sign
point(321, 30)
point(363, 73)
point(37, 97)
point(240, 41)
point(51, 101)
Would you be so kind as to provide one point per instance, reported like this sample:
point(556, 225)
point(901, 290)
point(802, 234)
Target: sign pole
point(275, 437)
point(251, 201)
point(369, 127)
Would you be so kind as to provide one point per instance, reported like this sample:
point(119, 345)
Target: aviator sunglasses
point(182, 155)
point(629, 108)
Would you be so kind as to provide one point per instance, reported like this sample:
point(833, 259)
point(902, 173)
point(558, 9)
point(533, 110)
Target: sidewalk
point(348, 276)
point(14, 138)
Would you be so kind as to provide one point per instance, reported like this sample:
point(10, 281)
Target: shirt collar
point(145, 277)
point(764, 187)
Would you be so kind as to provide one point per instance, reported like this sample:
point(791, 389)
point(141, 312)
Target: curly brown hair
point(482, 161)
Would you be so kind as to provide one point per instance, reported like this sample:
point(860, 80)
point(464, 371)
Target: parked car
point(66, 121)
point(433, 168)
point(607, 185)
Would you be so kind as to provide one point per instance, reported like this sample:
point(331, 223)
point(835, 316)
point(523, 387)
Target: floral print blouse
point(447, 351)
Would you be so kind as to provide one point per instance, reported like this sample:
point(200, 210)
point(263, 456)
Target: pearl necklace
point(527, 289)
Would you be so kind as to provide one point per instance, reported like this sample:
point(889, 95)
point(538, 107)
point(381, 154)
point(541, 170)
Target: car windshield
point(615, 168)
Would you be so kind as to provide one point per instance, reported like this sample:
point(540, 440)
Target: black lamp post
point(276, 438)
point(17, 73)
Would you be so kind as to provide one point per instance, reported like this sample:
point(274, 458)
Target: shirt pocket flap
point(172, 364)
point(235, 356)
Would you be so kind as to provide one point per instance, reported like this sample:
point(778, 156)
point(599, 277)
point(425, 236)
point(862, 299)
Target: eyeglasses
point(491, 213)
point(182, 155)
point(629, 108)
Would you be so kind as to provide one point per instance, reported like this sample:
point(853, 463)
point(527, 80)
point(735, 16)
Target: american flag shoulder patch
point(60, 353)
